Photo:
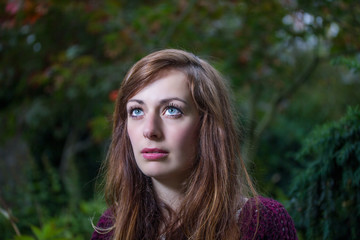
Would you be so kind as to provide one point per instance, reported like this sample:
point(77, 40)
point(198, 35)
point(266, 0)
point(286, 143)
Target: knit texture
point(274, 221)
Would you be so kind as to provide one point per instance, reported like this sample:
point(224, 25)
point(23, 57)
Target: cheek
point(186, 139)
point(132, 134)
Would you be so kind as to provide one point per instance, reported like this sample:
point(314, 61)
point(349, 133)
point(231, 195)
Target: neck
point(170, 193)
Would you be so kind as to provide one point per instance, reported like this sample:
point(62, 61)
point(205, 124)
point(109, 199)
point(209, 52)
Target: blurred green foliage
point(326, 192)
point(291, 65)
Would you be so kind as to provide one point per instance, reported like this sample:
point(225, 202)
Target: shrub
point(326, 194)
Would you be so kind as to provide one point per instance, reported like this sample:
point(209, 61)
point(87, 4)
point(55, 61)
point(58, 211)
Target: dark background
point(292, 66)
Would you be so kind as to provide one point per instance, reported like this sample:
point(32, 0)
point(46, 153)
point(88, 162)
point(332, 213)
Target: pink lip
point(154, 153)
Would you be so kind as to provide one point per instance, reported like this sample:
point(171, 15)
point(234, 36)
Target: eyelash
point(131, 109)
point(170, 105)
point(177, 107)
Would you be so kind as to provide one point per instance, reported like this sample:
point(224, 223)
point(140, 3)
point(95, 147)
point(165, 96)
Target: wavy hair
point(218, 184)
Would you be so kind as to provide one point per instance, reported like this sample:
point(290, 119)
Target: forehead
point(169, 83)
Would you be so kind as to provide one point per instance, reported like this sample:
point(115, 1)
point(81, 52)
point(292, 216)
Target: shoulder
point(267, 219)
point(103, 231)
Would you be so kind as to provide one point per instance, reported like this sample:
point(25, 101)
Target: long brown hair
point(218, 184)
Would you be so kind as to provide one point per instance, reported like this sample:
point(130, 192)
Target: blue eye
point(136, 112)
point(173, 111)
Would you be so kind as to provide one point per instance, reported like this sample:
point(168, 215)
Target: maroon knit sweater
point(274, 222)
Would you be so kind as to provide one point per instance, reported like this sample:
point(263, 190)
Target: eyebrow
point(163, 101)
point(135, 100)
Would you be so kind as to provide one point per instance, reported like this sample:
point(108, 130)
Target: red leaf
point(113, 95)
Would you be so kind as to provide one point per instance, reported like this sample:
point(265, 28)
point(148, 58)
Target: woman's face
point(162, 125)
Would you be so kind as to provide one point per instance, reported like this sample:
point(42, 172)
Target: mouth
point(154, 153)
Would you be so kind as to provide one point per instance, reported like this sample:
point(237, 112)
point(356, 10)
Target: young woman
point(174, 169)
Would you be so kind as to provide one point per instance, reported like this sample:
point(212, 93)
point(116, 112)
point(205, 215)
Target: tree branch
point(286, 94)
point(301, 80)
point(6, 212)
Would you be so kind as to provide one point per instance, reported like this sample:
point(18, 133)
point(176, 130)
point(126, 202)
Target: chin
point(160, 175)
point(153, 172)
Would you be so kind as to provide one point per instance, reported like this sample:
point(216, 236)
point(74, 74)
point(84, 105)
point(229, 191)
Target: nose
point(152, 127)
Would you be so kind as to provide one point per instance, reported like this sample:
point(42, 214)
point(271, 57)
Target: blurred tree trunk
point(15, 156)
point(68, 170)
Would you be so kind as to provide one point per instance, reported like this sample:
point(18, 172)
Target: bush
point(67, 225)
point(326, 195)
